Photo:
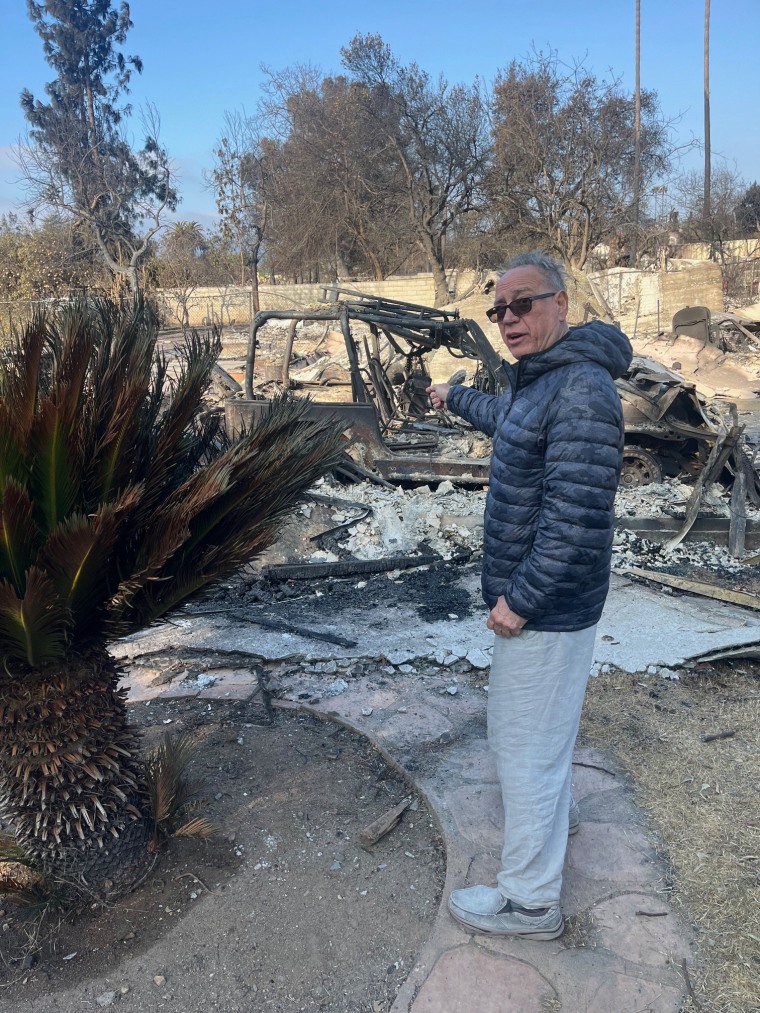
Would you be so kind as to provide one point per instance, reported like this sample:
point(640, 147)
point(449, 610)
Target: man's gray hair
point(552, 269)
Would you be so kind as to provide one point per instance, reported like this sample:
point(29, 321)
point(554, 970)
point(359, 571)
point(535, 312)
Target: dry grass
point(703, 802)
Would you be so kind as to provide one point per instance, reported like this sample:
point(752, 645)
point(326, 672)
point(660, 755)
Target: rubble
point(447, 520)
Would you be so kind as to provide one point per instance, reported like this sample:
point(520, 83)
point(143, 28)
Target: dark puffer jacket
point(557, 451)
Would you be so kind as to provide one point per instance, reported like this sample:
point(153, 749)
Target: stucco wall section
point(233, 305)
point(737, 248)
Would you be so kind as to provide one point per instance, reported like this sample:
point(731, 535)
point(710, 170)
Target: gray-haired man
point(557, 449)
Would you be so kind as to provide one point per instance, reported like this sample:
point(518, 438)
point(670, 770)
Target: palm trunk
point(72, 785)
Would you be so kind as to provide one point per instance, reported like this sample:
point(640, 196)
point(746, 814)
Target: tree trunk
point(255, 277)
point(72, 785)
point(435, 263)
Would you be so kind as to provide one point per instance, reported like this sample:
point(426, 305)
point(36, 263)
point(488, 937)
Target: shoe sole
point(540, 935)
point(573, 830)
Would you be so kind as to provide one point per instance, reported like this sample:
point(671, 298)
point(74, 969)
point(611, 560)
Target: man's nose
point(509, 317)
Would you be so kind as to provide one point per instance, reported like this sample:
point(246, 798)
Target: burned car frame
point(395, 435)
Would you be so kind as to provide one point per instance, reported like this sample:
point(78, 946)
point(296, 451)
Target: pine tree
point(78, 159)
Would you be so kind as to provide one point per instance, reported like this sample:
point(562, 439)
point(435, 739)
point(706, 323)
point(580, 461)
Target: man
point(557, 448)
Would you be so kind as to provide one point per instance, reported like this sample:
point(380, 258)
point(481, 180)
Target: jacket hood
point(595, 342)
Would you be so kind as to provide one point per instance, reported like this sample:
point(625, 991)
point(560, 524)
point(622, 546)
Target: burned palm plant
point(120, 499)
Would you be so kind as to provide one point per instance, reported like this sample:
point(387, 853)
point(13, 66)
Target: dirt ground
point(284, 911)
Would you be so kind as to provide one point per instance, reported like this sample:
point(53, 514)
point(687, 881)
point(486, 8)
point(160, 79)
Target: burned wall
point(644, 302)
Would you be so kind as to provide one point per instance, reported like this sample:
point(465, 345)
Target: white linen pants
point(535, 696)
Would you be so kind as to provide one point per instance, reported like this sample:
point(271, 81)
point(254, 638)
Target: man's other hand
point(503, 621)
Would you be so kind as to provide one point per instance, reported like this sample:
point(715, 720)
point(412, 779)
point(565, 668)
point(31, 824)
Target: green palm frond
point(76, 556)
point(19, 534)
point(54, 463)
point(34, 626)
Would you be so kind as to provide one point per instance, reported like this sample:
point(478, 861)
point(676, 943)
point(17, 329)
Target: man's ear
point(563, 302)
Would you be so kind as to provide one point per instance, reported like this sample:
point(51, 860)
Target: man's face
point(546, 322)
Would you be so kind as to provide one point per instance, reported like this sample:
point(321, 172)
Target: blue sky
point(203, 58)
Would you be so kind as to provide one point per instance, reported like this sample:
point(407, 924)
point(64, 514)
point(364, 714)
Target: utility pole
point(706, 204)
point(637, 143)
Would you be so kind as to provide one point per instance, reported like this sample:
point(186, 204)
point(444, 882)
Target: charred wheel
point(640, 467)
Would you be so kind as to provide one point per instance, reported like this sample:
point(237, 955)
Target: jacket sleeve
point(481, 410)
point(570, 553)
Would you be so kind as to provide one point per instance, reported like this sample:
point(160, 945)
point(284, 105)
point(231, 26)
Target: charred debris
point(369, 362)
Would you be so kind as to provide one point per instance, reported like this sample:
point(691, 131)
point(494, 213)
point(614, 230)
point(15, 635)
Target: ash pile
point(349, 530)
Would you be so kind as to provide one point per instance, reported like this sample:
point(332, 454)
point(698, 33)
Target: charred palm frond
point(117, 484)
point(175, 805)
point(20, 881)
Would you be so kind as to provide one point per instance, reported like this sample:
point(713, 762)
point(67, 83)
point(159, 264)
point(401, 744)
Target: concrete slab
point(467, 979)
point(640, 628)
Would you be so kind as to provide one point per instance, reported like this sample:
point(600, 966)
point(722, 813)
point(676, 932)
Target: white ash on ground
point(444, 520)
point(629, 549)
point(669, 499)
point(447, 520)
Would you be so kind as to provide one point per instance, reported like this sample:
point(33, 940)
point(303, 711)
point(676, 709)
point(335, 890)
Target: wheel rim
point(639, 468)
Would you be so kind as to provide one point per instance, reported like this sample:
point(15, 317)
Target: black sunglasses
point(518, 307)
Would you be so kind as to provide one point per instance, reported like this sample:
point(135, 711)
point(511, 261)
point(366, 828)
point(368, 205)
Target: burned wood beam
point(738, 527)
point(276, 624)
point(350, 469)
point(721, 451)
point(352, 567)
point(694, 586)
point(299, 631)
point(342, 527)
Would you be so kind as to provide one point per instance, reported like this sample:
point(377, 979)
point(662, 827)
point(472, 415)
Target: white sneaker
point(485, 909)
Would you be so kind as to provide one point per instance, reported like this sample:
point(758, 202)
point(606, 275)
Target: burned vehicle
point(371, 366)
point(671, 431)
point(374, 381)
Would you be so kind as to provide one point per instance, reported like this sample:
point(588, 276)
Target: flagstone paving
point(623, 945)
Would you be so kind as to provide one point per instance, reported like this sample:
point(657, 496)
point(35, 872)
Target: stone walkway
point(623, 946)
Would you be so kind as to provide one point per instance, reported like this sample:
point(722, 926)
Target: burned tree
point(338, 201)
point(564, 160)
point(439, 138)
point(242, 181)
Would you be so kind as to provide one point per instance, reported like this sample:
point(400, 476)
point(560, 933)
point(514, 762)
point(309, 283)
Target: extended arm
point(480, 410)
